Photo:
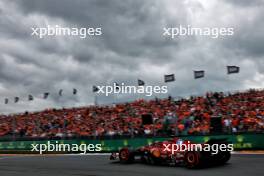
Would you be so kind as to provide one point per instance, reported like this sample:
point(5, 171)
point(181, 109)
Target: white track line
point(245, 153)
point(11, 157)
point(89, 154)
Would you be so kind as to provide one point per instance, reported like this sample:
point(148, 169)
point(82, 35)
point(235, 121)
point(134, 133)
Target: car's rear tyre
point(126, 156)
point(192, 159)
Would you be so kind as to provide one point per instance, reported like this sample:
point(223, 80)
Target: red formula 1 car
point(178, 152)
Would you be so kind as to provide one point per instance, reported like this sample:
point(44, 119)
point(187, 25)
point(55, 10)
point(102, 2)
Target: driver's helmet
point(179, 142)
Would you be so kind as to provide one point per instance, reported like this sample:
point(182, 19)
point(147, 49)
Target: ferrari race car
point(178, 152)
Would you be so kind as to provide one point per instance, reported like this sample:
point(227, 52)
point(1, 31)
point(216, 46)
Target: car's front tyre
point(126, 156)
point(192, 159)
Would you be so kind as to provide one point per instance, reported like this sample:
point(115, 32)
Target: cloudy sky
point(132, 46)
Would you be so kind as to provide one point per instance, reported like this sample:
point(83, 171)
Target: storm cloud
point(132, 46)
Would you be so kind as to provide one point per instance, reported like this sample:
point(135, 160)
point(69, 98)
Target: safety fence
point(241, 142)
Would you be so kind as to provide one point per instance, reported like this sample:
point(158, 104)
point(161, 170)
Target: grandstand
point(239, 112)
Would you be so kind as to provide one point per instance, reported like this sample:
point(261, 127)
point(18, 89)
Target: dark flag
point(74, 91)
point(60, 92)
point(46, 94)
point(16, 99)
point(169, 78)
point(30, 98)
point(6, 100)
point(141, 83)
point(95, 89)
point(117, 86)
point(232, 69)
point(199, 74)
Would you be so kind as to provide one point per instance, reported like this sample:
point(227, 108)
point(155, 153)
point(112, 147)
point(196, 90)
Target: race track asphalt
point(90, 165)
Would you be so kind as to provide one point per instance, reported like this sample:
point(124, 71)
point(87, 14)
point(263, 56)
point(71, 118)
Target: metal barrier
point(240, 141)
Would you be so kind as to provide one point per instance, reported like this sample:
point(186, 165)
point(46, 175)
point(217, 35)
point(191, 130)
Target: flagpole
point(169, 90)
point(13, 128)
point(95, 100)
point(170, 97)
point(95, 90)
point(168, 79)
point(138, 96)
point(115, 97)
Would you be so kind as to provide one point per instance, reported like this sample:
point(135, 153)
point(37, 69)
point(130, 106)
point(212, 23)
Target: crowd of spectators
point(240, 112)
